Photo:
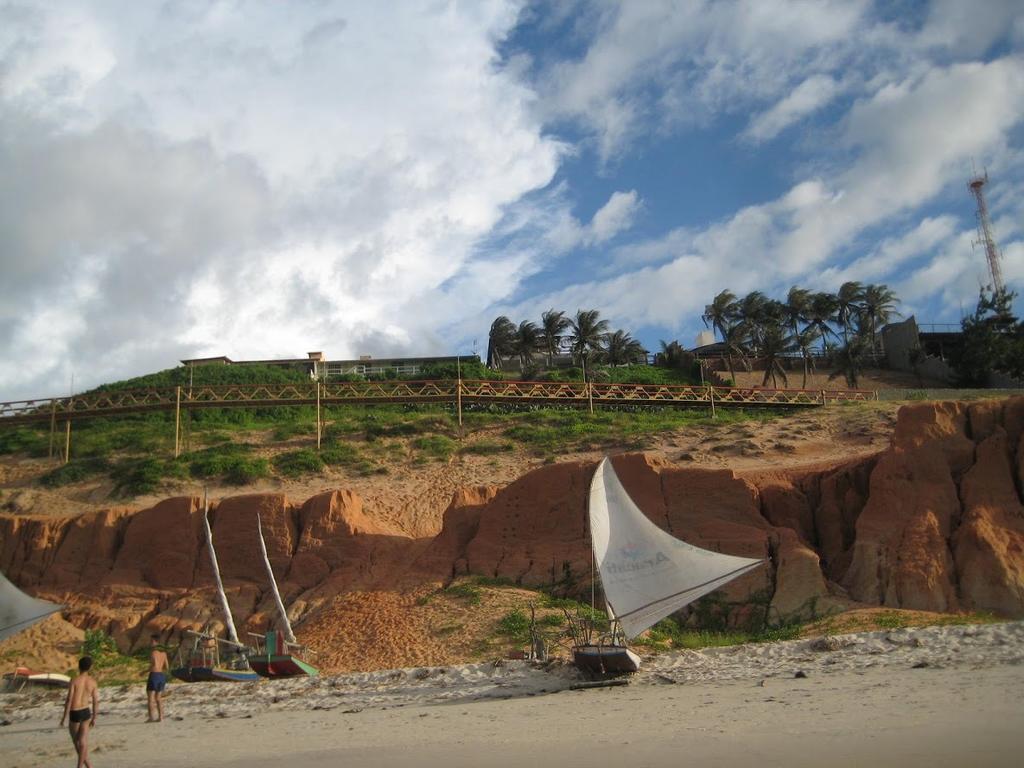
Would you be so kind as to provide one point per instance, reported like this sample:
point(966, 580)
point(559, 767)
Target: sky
point(265, 179)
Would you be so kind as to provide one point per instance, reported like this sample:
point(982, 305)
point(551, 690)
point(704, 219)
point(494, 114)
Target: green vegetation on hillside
point(136, 451)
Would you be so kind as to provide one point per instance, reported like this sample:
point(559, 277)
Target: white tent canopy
point(19, 611)
point(646, 573)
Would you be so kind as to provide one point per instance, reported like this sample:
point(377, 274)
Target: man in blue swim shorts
point(157, 680)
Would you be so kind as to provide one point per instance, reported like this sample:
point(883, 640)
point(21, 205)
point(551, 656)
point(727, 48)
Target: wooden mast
point(228, 621)
point(289, 636)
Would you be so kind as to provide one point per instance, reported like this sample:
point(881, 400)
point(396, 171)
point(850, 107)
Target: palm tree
point(848, 305)
point(849, 360)
point(798, 303)
point(588, 332)
point(527, 341)
point(878, 307)
point(775, 343)
point(820, 312)
point(754, 311)
point(672, 354)
point(805, 342)
point(621, 349)
point(553, 326)
point(734, 342)
point(721, 312)
point(500, 341)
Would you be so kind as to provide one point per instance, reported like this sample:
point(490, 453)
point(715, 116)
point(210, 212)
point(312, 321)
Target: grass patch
point(134, 477)
point(298, 463)
point(670, 632)
point(435, 447)
point(515, 624)
point(470, 593)
point(33, 441)
point(74, 472)
point(487, 447)
point(232, 463)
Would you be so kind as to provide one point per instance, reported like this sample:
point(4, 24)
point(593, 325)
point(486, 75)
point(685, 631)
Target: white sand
point(863, 702)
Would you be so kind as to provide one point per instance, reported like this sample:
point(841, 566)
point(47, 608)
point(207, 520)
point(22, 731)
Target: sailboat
point(646, 573)
point(209, 658)
point(19, 611)
point(277, 652)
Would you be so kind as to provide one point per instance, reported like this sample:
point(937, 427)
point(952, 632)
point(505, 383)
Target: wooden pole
point(53, 425)
point(587, 384)
point(67, 440)
point(711, 392)
point(319, 430)
point(458, 388)
point(177, 422)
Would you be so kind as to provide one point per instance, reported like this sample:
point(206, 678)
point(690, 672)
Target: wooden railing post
point(711, 392)
point(319, 428)
point(53, 425)
point(177, 422)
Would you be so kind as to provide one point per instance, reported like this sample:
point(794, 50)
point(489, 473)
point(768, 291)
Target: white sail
point(19, 611)
point(646, 573)
point(289, 636)
point(224, 607)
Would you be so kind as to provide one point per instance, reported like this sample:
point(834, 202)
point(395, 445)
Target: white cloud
point(251, 180)
point(652, 65)
point(812, 94)
point(614, 216)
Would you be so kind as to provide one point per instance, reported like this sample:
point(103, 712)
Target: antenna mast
point(985, 236)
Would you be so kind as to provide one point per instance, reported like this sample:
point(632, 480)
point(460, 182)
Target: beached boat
point(23, 676)
point(208, 658)
point(646, 574)
point(277, 653)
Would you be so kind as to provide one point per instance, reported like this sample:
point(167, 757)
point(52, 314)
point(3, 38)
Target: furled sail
point(19, 611)
point(288, 634)
point(646, 573)
point(223, 598)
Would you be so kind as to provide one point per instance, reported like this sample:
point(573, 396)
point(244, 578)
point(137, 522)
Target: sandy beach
point(934, 696)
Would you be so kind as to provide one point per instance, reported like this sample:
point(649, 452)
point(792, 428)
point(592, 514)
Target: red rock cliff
point(934, 522)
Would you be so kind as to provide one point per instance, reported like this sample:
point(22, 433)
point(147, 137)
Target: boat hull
point(282, 665)
point(606, 659)
point(214, 675)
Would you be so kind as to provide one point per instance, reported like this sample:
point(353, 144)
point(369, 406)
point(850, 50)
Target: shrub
point(133, 477)
point(233, 463)
point(437, 447)
point(298, 463)
point(74, 471)
point(30, 440)
point(515, 624)
point(468, 592)
point(487, 447)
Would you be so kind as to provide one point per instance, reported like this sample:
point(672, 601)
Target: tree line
point(844, 325)
point(586, 337)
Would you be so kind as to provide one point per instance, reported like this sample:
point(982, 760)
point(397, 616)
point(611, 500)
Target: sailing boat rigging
point(646, 573)
point(19, 611)
point(278, 656)
point(203, 660)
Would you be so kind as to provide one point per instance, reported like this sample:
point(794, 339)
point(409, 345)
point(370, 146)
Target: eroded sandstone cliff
point(934, 522)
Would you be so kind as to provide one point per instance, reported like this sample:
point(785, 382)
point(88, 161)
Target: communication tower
point(985, 236)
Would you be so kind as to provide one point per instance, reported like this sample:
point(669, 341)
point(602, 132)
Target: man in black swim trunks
point(157, 680)
point(80, 710)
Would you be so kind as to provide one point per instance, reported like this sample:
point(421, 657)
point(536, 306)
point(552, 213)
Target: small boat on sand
point(646, 574)
point(23, 676)
point(204, 657)
point(278, 653)
point(208, 658)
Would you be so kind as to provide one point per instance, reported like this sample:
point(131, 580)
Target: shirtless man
point(80, 710)
point(157, 680)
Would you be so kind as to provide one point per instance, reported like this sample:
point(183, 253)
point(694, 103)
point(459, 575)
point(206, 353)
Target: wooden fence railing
point(114, 402)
